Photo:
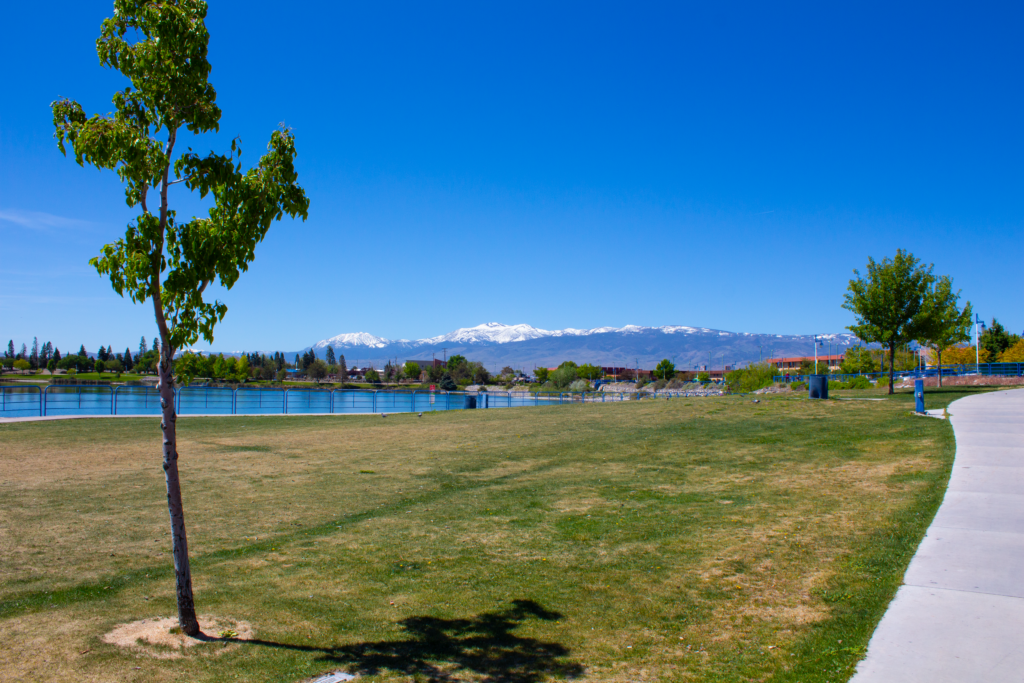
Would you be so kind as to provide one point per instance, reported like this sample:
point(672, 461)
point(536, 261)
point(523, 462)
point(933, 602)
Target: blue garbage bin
point(817, 386)
point(919, 394)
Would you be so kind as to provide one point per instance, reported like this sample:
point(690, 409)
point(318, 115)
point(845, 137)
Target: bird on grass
point(420, 415)
point(383, 414)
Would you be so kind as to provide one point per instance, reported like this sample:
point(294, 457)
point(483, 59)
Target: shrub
point(447, 383)
point(580, 385)
point(703, 377)
point(796, 386)
point(752, 378)
point(859, 383)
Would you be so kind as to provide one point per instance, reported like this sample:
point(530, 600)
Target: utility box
point(919, 394)
point(817, 386)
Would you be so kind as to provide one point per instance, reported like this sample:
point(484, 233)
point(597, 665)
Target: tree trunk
point(182, 572)
point(938, 355)
point(892, 366)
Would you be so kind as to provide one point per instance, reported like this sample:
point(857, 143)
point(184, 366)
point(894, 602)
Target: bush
point(580, 385)
point(859, 383)
point(447, 383)
point(752, 378)
point(796, 386)
point(22, 364)
point(703, 377)
point(564, 376)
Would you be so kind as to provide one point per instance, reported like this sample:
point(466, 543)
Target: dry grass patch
point(710, 541)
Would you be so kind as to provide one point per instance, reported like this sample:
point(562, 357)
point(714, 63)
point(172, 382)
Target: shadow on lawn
point(440, 649)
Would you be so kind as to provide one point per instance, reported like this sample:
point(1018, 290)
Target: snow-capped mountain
point(352, 339)
point(524, 345)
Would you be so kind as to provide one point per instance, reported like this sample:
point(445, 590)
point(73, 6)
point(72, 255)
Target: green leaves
point(161, 47)
point(889, 304)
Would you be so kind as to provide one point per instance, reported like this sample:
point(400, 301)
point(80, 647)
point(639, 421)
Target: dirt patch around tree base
point(161, 638)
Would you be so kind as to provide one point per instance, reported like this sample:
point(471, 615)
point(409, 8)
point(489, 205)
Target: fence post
point(374, 408)
point(285, 401)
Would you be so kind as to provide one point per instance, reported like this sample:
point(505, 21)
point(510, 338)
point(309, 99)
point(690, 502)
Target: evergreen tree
point(127, 360)
point(102, 353)
point(342, 368)
point(23, 354)
point(297, 362)
point(10, 349)
point(142, 347)
point(330, 356)
point(81, 351)
point(56, 354)
point(156, 345)
point(34, 358)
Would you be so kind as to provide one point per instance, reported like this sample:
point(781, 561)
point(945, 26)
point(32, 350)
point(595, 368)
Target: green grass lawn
point(690, 539)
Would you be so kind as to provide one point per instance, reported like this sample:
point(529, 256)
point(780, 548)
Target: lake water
point(102, 400)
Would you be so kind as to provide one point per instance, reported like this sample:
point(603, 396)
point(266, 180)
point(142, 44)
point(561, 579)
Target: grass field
point(690, 539)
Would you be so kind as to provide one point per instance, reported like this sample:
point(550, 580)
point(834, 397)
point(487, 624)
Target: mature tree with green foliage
point(859, 360)
point(890, 303)
point(342, 368)
point(996, 340)
point(114, 365)
point(412, 370)
point(541, 374)
point(22, 364)
point(666, 369)
point(564, 375)
point(316, 370)
point(947, 324)
point(454, 362)
point(331, 360)
point(590, 372)
point(372, 376)
point(161, 47)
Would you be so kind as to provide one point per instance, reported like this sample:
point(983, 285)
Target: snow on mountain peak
point(353, 339)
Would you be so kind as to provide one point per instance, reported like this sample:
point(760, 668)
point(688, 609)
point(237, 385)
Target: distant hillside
point(523, 346)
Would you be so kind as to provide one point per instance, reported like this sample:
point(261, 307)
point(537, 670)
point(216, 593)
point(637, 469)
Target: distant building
point(793, 363)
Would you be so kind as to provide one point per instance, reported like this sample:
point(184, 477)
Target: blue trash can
point(919, 394)
point(817, 386)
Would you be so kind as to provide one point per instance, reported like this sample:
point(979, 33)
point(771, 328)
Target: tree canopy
point(946, 324)
point(889, 303)
point(161, 48)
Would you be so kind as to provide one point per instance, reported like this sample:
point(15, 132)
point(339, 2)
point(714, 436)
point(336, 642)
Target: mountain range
point(523, 346)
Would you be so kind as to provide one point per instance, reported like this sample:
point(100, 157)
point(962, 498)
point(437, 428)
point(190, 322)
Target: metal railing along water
point(69, 399)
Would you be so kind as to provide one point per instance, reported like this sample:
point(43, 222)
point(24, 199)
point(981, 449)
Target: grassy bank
point(690, 539)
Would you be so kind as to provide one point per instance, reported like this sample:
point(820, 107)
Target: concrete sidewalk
point(960, 614)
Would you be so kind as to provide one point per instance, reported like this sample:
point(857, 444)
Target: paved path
point(959, 617)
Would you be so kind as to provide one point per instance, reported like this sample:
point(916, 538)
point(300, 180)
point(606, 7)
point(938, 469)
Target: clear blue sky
point(564, 165)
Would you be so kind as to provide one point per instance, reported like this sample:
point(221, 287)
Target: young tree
point(446, 383)
point(890, 303)
point(372, 376)
point(666, 369)
point(162, 49)
point(412, 370)
point(114, 366)
point(946, 323)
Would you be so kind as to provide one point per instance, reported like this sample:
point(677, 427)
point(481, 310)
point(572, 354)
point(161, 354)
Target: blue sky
point(721, 165)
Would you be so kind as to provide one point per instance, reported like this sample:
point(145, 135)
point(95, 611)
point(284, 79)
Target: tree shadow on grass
point(483, 647)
